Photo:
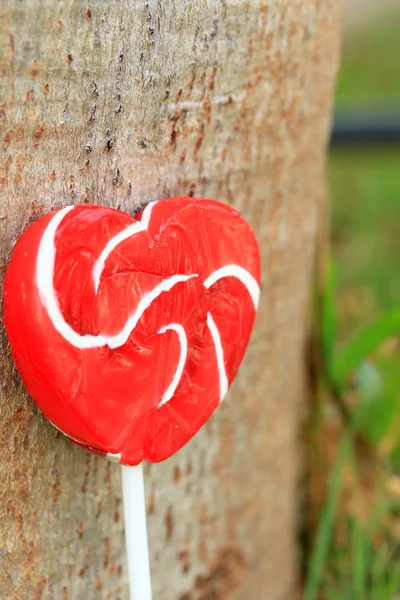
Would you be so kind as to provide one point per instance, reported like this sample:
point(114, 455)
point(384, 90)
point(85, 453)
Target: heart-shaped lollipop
point(128, 331)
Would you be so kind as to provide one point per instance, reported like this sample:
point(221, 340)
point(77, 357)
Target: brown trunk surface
point(120, 103)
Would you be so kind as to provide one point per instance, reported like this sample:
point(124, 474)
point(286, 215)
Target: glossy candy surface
point(128, 331)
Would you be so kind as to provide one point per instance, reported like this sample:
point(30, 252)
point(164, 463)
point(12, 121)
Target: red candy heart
point(128, 331)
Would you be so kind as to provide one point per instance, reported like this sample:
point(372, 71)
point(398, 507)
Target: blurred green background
point(352, 531)
point(365, 182)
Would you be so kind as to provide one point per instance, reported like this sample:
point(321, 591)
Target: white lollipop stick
point(136, 533)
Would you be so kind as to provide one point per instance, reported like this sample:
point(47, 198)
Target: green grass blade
point(378, 572)
point(394, 582)
point(325, 529)
point(359, 562)
point(329, 319)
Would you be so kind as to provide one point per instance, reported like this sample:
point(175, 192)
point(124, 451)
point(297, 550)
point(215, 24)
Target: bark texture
point(121, 102)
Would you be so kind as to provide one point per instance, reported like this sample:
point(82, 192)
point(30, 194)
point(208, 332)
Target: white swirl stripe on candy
point(239, 273)
point(181, 363)
point(45, 265)
point(219, 351)
point(117, 239)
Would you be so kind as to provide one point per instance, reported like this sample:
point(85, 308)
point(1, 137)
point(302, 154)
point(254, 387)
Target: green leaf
point(377, 408)
point(325, 528)
point(374, 416)
point(369, 379)
point(396, 457)
point(362, 345)
point(378, 402)
point(329, 319)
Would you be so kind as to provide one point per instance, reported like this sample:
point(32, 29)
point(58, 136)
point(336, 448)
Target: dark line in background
point(361, 127)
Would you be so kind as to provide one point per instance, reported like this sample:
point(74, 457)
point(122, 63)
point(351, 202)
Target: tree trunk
point(120, 103)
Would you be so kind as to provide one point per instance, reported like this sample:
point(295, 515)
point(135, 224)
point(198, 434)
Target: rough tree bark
point(120, 103)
